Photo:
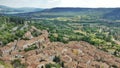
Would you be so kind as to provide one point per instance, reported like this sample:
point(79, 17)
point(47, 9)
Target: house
point(71, 65)
point(20, 44)
point(66, 59)
point(6, 50)
point(41, 66)
point(28, 35)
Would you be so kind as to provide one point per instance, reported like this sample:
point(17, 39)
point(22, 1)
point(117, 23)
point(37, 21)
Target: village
point(73, 54)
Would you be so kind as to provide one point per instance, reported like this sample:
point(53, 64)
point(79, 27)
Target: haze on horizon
point(60, 3)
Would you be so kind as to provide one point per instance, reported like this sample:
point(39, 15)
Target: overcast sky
point(60, 3)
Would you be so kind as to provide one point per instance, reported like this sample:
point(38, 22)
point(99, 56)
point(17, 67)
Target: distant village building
point(28, 35)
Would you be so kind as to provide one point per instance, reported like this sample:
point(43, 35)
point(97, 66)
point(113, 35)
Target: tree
point(56, 59)
point(17, 64)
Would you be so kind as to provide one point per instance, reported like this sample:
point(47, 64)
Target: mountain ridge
point(105, 13)
point(11, 10)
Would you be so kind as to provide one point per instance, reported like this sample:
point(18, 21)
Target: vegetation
point(17, 64)
point(5, 65)
point(52, 65)
point(30, 48)
point(56, 59)
point(102, 34)
point(62, 27)
point(36, 33)
point(58, 63)
point(11, 29)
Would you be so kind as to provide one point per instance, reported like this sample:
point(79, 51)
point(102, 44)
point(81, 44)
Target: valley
point(61, 37)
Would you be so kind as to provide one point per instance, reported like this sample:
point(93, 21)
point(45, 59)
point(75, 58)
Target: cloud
point(30, 3)
point(60, 3)
point(53, 0)
point(90, 3)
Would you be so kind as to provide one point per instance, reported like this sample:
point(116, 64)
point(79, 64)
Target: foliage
point(32, 47)
point(52, 65)
point(56, 59)
point(10, 30)
point(6, 65)
point(17, 64)
point(97, 32)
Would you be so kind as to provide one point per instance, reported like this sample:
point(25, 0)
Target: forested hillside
point(11, 28)
point(102, 13)
point(115, 14)
point(61, 37)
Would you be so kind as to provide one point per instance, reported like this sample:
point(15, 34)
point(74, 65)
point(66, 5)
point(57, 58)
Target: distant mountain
point(70, 9)
point(10, 10)
point(29, 9)
point(4, 9)
point(104, 13)
point(115, 14)
point(65, 11)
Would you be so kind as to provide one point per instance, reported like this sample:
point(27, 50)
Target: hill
point(68, 42)
point(4, 9)
point(10, 10)
point(102, 13)
point(72, 9)
point(115, 14)
point(38, 52)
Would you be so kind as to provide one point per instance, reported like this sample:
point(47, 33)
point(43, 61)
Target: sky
point(60, 3)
